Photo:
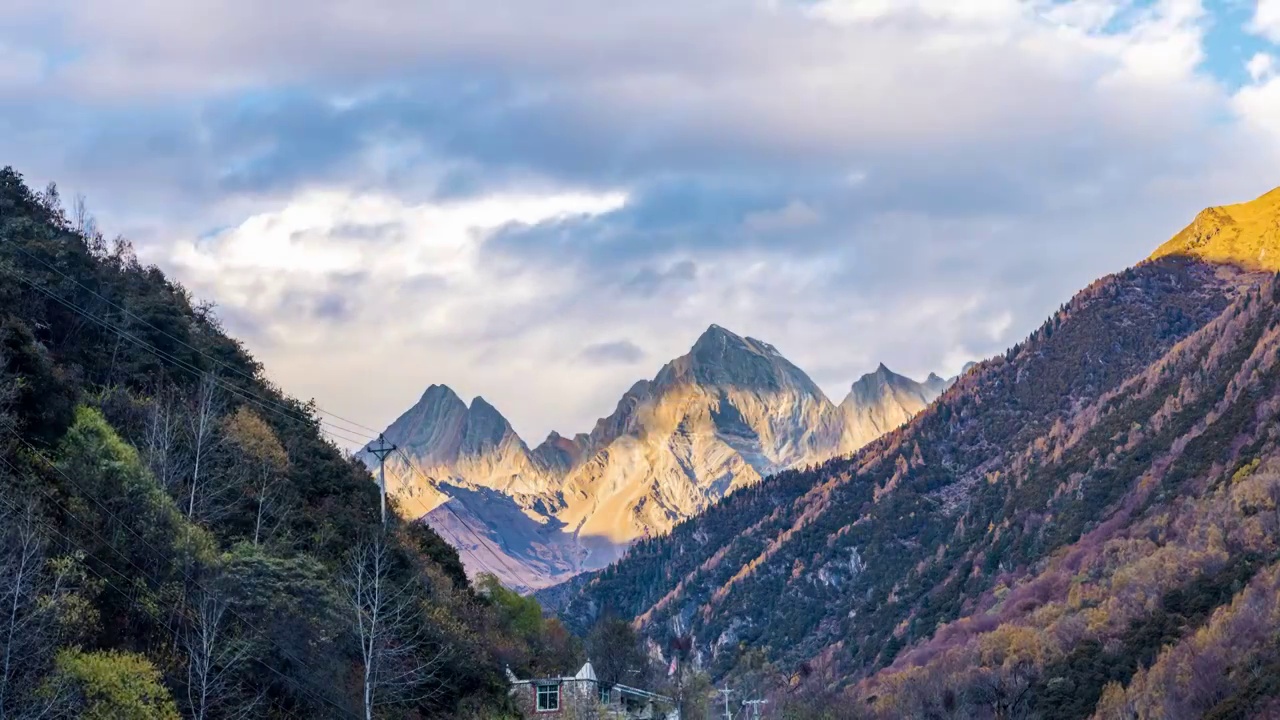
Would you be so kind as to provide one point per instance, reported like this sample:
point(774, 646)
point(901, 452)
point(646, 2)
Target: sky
point(543, 201)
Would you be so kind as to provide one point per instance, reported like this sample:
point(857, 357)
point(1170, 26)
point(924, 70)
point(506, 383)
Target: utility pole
point(381, 452)
point(726, 692)
point(755, 707)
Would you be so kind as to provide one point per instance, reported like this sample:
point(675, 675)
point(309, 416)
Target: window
point(548, 698)
point(605, 694)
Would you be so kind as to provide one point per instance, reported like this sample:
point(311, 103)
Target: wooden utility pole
point(381, 452)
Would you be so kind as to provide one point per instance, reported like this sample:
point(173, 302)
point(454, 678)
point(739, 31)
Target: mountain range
point(1087, 525)
point(721, 417)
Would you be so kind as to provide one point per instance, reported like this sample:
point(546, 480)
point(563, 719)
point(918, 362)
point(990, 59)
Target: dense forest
point(178, 538)
point(1083, 526)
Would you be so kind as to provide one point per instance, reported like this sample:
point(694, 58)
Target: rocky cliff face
point(731, 411)
point(881, 402)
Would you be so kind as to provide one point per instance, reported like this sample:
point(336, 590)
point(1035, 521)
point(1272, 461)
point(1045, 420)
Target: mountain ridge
point(1046, 540)
point(727, 413)
point(1245, 234)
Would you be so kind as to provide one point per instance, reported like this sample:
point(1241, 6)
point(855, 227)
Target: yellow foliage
point(1245, 470)
point(1013, 645)
point(256, 438)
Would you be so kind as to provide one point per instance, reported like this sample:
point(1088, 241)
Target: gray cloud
point(619, 351)
point(648, 282)
point(919, 188)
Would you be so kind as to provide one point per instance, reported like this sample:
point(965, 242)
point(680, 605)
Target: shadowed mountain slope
point(961, 539)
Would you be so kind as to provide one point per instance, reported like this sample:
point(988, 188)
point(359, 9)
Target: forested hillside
point(179, 538)
point(1084, 524)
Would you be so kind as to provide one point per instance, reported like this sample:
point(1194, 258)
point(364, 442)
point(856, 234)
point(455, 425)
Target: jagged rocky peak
point(723, 358)
point(441, 428)
point(1246, 235)
point(431, 430)
point(438, 402)
point(610, 427)
point(881, 401)
point(937, 384)
point(485, 428)
point(874, 385)
point(560, 454)
point(727, 413)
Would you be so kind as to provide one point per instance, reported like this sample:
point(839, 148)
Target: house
point(585, 697)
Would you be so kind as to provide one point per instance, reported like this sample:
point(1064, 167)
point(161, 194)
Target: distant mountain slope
point(730, 411)
point(882, 402)
point(1021, 497)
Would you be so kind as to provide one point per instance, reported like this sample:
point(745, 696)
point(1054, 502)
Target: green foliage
point(131, 531)
point(521, 613)
point(422, 539)
point(115, 686)
point(545, 647)
point(103, 361)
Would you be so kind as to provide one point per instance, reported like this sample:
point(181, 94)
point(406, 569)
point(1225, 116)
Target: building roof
point(588, 674)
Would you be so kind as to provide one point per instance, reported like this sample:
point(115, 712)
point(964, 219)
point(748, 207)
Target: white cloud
point(925, 180)
point(1261, 66)
point(1266, 20)
point(1258, 107)
point(392, 296)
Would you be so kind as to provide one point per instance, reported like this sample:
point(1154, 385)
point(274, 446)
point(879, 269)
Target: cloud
point(618, 351)
point(491, 194)
point(381, 288)
point(1261, 67)
point(796, 215)
point(1266, 20)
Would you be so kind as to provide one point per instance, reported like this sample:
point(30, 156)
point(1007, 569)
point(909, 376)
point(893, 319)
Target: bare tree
point(399, 664)
point(213, 658)
point(29, 599)
point(86, 226)
point(273, 505)
point(206, 408)
point(162, 443)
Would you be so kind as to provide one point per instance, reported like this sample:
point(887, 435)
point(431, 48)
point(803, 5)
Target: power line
point(333, 431)
point(186, 574)
point(180, 341)
point(499, 556)
point(151, 611)
point(245, 395)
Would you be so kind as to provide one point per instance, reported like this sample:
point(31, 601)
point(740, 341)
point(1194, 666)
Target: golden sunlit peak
point(1247, 235)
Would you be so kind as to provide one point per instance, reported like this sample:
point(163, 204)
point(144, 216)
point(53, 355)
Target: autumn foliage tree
point(262, 463)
